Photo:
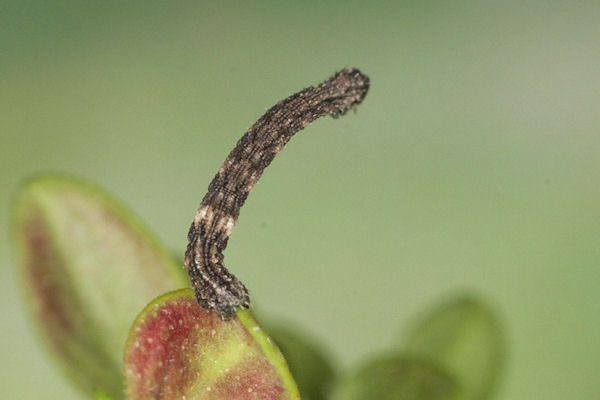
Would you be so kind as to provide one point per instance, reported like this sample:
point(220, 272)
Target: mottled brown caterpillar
point(216, 288)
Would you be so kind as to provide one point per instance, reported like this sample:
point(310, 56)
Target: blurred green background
point(472, 164)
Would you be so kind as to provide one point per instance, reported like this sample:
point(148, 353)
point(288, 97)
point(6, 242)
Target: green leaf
point(88, 267)
point(311, 369)
point(398, 378)
point(464, 336)
point(179, 350)
point(100, 395)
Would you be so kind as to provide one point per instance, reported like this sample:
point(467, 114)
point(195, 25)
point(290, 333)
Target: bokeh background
point(472, 165)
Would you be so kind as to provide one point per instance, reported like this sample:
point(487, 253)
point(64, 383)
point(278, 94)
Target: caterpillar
point(215, 287)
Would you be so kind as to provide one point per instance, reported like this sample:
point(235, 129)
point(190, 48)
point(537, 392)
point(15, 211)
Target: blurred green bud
point(311, 368)
point(463, 336)
point(398, 378)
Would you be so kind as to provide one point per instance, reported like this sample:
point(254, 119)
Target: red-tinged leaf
point(178, 350)
point(88, 267)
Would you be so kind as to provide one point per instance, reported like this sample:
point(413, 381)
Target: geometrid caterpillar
point(216, 288)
